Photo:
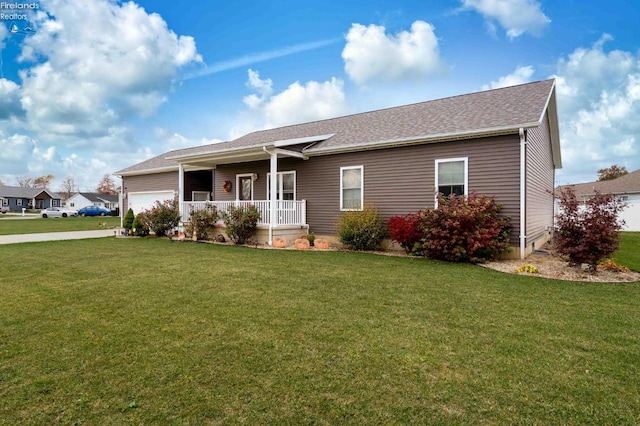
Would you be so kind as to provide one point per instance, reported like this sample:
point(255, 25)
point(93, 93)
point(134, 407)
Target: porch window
point(351, 188)
point(286, 186)
point(199, 196)
point(451, 176)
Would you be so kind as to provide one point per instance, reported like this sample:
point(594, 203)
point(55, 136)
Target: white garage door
point(141, 201)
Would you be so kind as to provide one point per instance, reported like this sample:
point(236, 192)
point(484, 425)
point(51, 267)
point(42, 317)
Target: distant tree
point(68, 187)
point(25, 181)
point(612, 172)
point(43, 181)
point(107, 186)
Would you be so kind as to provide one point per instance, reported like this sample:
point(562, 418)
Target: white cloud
point(9, 99)
point(599, 109)
point(515, 16)
point(371, 54)
point(521, 75)
point(169, 141)
point(298, 103)
point(96, 64)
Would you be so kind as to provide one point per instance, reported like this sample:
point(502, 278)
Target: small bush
point(465, 229)
point(528, 269)
point(162, 217)
point(362, 230)
point(127, 223)
point(589, 233)
point(241, 222)
point(138, 227)
point(407, 231)
point(612, 265)
point(202, 221)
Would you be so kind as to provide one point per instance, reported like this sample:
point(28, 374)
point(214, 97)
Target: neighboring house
point(17, 198)
point(502, 142)
point(626, 187)
point(84, 199)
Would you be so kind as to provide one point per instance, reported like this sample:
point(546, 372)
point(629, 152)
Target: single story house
point(626, 187)
point(503, 142)
point(85, 199)
point(17, 198)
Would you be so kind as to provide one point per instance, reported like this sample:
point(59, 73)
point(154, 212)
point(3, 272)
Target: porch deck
point(288, 212)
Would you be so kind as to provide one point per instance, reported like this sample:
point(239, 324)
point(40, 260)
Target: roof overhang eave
point(146, 171)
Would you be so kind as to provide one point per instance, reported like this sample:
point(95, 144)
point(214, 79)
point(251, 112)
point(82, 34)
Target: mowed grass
point(148, 331)
point(628, 253)
point(63, 224)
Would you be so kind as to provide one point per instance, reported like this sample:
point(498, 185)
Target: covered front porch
point(249, 176)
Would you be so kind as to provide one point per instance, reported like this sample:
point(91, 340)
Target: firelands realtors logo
point(16, 15)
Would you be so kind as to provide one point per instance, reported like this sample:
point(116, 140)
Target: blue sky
point(96, 86)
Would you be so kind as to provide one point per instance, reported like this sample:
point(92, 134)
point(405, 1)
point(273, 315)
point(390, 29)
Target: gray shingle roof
point(627, 184)
point(161, 161)
point(95, 197)
point(488, 112)
point(20, 192)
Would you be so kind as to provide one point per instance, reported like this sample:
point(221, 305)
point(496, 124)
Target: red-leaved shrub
point(407, 231)
point(589, 233)
point(465, 229)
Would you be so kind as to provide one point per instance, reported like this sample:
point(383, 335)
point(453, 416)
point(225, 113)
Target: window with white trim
point(199, 196)
point(54, 203)
point(19, 202)
point(452, 176)
point(351, 188)
point(5, 202)
point(286, 186)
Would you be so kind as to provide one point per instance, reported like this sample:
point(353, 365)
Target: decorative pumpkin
point(226, 186)
point(279, 242)
point(321, 244)
point(302, 244)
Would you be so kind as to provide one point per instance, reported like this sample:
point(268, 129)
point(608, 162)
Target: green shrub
point(241, 222)
point(127, 223)
point(202, 221)
point(138, 227)
point(162, 217)
point(465, 229)
point(362, 230)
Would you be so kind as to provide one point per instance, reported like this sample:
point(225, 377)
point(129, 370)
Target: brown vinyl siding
point(540, 176)
point(167, 181)
point(399, 180)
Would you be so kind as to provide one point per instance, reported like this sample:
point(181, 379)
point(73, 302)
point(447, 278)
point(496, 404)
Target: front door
point(245, 188)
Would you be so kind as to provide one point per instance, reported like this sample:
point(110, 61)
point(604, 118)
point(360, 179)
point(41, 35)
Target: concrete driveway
point(56, 236)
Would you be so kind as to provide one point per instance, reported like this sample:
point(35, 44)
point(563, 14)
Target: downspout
point(523, 192)
point(180, 189)
point(121, 202)
point(273, 196)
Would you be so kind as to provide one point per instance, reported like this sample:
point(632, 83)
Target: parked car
point(4, 209)
point(58, 212)
point(93, 211)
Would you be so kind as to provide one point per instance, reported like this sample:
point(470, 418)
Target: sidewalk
point(56, 236)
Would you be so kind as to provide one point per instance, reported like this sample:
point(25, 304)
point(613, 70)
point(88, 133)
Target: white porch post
point(180, 188)
point(273, 206)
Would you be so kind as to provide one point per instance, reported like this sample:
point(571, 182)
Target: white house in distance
point(627, 187)
point(84, 199)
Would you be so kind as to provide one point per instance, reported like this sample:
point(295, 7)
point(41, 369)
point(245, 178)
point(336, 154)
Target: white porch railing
point(289, 212)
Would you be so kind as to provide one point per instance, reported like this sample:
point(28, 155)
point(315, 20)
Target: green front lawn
point(39, 225)
point(628, 253)
point(148, 331)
